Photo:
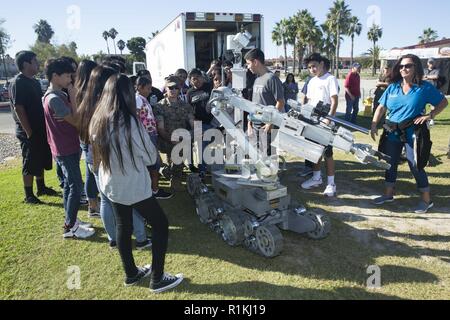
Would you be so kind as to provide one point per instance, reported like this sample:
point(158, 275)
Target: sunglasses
point(407, 66)
point(173, 88)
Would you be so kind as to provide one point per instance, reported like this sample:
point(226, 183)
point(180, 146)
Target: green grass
point(412, 251)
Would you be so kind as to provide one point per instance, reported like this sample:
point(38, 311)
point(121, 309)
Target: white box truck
point(194, 39)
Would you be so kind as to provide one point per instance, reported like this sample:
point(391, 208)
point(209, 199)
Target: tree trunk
point(373, 60)
point(115, 50)
point(337, 50)
point(301, 51)
point(285, 58)
point(333, 65)
point(4, 66)
point(295, 58)
point(353, 44)
point(107, 46)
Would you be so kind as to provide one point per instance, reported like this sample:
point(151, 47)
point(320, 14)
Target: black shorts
point(36, 155)
point(329, 152)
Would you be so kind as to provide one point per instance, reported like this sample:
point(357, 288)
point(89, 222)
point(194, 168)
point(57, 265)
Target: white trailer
point(194, 39)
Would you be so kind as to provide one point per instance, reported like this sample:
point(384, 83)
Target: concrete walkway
point(7, 124)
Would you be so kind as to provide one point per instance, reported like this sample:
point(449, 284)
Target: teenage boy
point(323, 87)
point(198, 96)
point(267, 90)
point(28, 113)
point(62, 132)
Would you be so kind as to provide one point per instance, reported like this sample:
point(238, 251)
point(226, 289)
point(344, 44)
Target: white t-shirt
point(322, 89)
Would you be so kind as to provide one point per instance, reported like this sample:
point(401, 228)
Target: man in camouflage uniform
point(171, 114)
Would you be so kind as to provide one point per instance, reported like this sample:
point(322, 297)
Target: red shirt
point(62, 137)
point(353, 83)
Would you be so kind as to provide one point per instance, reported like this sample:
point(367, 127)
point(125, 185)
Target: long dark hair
point(290, 75)
point(94, 90)
point(418, 70)
point(117, 105)
point(82, 77)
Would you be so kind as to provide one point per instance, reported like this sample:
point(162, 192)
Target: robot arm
point(301, 132)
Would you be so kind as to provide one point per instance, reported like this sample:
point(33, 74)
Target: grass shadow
point(258, 290)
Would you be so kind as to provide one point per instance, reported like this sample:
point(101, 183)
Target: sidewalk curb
point(4, 106)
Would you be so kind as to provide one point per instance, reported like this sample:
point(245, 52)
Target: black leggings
point(151, 211)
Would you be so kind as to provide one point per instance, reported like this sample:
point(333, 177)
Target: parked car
point(4, 93)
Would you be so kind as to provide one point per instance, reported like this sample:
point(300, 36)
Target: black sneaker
point(166, 283)
point(144, 245)
point(143, 272)
point(47, 192)
point(32, 200)
point(163, 195)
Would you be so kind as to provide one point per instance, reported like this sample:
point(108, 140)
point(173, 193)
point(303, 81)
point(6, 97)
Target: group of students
point(122, 121)
point(98, 106)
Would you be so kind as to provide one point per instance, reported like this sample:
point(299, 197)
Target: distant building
point(11, 68)
point(435, 44)
point(344, 63)
point(438, 50)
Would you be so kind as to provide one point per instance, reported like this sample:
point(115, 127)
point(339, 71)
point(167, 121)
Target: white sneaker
point(79, 232)
point(312, 183)
point(84, 224)
point(330, 191)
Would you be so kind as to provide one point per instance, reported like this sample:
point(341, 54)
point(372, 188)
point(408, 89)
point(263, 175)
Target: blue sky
point(402, 21)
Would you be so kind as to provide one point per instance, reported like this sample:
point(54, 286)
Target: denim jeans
point(109, 221)
point(90, 184)
point(394, 150)
point(352, 110)
point(73, 185)
point(205, 127)
point(59, 175)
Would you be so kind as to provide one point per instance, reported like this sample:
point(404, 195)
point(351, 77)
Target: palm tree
point(121, 45)
point(113, 34)
point(106, 36)
point(279, 35)
point(291, 37)
point(355, 28)
point(338, 20)
point(429, 35)
point(374, 54)
point(375, 33)
point(154, 34)
point(328, 43)
point(44, 31)
point(307, 34)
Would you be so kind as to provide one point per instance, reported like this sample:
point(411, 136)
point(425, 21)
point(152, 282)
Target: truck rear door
point(206, 35)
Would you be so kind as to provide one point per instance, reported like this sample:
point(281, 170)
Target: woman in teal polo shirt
point(405, 100)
